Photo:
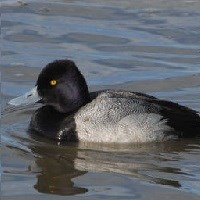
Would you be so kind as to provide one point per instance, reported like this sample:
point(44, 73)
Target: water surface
point(150, 46)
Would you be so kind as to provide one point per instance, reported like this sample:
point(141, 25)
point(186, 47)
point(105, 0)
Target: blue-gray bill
point(28, 98)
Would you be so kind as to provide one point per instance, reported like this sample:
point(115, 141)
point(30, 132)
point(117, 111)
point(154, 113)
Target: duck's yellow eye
point(53, 82)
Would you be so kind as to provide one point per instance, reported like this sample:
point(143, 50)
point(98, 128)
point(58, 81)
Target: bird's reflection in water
point(142, 161)
point(55, 165)
point(59, 164)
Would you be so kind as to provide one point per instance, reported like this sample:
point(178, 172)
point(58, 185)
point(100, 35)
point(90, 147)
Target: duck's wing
point(185, 121)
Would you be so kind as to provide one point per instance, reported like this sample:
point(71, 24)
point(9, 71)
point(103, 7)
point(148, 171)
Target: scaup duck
point(71, 113)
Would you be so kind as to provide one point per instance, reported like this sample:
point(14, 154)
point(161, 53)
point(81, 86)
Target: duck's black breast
point(50, 123)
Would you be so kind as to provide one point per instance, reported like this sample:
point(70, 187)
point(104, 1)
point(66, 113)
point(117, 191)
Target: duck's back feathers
point(115, 116)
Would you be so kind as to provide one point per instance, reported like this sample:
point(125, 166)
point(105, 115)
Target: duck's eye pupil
point(53, 82)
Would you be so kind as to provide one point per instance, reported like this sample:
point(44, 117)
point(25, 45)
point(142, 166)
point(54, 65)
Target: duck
point(71, 113)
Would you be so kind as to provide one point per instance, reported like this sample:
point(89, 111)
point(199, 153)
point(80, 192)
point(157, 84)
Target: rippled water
point(151, 46)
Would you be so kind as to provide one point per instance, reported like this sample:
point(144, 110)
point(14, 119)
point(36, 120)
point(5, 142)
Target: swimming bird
point(71, 113)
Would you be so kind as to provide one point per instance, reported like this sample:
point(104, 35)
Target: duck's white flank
point(118, 117)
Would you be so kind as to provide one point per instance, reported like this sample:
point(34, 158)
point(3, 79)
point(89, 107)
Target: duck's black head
point(61, 85)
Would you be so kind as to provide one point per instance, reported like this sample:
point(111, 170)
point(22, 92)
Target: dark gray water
point(150, 46)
